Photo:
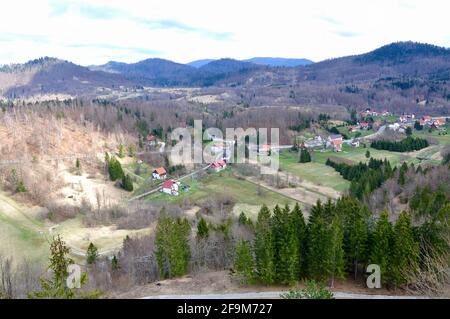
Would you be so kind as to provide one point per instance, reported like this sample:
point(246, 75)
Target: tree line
point(364, 177)
point(339, 239)
point(408, 144)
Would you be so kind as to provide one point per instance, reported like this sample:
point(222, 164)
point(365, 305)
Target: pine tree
point(356, 232)
point(56, 288)
point(243, 262)
point(336, 263)
point(114, 263)
point(305, 157)
point(286, 246)
point(121, 151)
point(298, 222)
point(131, 151)
point(367, 154)
point(127, 183)
point(405, 251)
point(264, 249)
point(172, 246)
point(115, 169)
point(91, 254)
point(202, 229)
point(319, 249)
point(381, 246)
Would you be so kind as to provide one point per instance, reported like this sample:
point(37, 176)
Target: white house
point(159, 173)
point(171, 187)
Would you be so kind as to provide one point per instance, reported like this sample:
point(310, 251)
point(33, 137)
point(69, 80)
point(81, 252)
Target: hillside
point(279, 62)
point(401, 77)
point(50, 75)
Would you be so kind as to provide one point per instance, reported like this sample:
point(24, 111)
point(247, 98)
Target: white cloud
point(93, 32)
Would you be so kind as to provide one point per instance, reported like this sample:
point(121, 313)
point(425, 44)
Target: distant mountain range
point(403, 64)
point(262, 61)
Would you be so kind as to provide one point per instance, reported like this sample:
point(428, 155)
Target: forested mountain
point(402, 76)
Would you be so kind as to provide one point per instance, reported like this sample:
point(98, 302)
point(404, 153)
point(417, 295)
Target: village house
point(354, 142)
point(218, 166)
point(385, 113)
point(353, 129)
point(264, 150)
point(394, 127)
point(171, 187)
point(336, 142)
point(439, 122)
point(159, 173)
point(151, 140)
point(317, 141)
point(427, 119)
point(407, 117)
point(364, 125)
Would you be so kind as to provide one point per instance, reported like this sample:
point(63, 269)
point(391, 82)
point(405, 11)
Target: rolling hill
point(413, 70)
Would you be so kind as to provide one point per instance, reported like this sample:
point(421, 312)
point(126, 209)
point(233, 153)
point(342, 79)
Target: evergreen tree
point(336, 268)
point(131, 151)
point(264, 249)
point(356, 232)
point(127, 183)
point(121, 151)
point(286, 246)
point(91, 254)
point(114, 263)
point(115, 169)
point(172, 246)
point(243, 262)
point(56, 288)
point(381, 245)
point(298, 222)
point(402, 172)
point(305, 156)
point(408, 131)
point(202, 229)
point(367, 154)
point(405, 251)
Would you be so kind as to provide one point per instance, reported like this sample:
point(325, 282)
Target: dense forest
point(408, 144)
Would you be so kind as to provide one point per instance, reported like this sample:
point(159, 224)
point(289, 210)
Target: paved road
point(374, 135)
point(275, 295)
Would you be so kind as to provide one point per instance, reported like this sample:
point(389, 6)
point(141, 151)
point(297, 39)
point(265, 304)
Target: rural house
point(151, 140)
point(364, 125)
point(218, 166)
point(264, 150)
point(159, 173)
point(171, 187)
point(336, 142)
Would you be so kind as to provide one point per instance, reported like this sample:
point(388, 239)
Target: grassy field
point(315, 172)
point(223, 184)
point(21, 235)
point(358, 154)
point(443, 139)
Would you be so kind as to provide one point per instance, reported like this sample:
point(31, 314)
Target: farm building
point(171, 187)
point(151, 140)
point(336, 142)
point(218, 166)
point(364, 125)
point(264, 150)
point(159, 173)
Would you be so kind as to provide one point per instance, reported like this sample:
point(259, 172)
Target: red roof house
point(159, 173)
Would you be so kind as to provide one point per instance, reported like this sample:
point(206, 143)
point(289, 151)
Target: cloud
point(348, 34)
point(8, 37)
point(96, 31)
point(140, 50)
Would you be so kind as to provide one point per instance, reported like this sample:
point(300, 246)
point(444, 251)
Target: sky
point(98, 31)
